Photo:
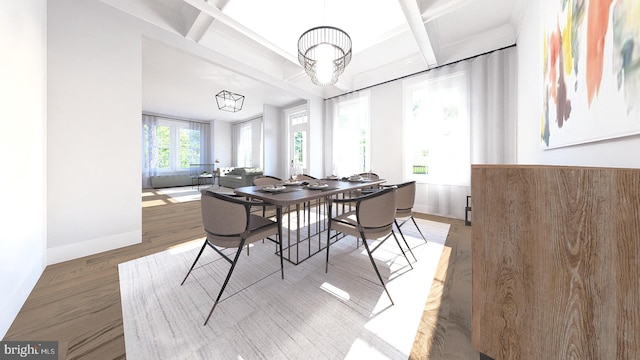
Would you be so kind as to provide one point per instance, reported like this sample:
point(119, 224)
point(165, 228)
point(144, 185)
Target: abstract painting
point(591, 71)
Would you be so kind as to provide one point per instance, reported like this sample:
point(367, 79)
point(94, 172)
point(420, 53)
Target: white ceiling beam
point(199, 27)
point(416, 24)
point(434, 9)
point(216, 13)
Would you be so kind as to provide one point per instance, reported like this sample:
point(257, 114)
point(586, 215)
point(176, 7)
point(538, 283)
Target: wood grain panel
point(555, 262)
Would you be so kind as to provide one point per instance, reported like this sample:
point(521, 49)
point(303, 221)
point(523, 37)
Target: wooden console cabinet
point(555, 262)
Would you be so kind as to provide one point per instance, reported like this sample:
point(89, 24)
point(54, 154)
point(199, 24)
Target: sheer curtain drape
point(149, 149)
point(174, 146)
point(348, 124)
point(491, 91)
point(247, 150)
point(205, 140)
point(493, 107)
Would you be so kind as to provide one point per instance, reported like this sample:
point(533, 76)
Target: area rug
point(190, 193)
point(342, 314)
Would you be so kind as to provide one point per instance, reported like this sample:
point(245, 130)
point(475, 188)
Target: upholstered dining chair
point(305, 177)
point(372, 219)
point(266, 180)
point(228, 223)
point(370, 175)
point(404, 206)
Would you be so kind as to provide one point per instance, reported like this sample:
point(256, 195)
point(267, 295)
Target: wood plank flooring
point(77, 303)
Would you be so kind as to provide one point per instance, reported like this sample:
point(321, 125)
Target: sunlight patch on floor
point(335, 291)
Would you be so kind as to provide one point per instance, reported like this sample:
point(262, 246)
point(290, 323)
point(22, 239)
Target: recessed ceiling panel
point(282, 22)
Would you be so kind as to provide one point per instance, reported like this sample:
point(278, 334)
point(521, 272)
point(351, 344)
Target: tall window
point(172, 145)
point(351, 136)
point(437, 146)
point(298, 140)
point(189, 147)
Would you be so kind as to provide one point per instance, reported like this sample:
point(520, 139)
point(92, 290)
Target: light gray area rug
point(342, 314)
point(191, 193)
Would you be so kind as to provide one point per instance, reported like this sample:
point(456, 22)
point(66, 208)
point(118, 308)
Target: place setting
point(278, 189)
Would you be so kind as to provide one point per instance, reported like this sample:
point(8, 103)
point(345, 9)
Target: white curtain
point(490, 98)
point(492, 132)
point(247, 149)
point(150, 152)
point(494, 107)
point(348, 126)
point(205, 141)
point(149, 149)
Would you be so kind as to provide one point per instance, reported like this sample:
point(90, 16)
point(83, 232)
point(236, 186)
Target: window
point(298, 140)
point(189, 143)
point(437, 146)
point(351, 136)
point(171, 146)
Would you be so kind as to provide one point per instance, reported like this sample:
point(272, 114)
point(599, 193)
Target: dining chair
point(372, 219)
point(307, 206)
point(266, 180)
point(404, 206)
point(370, 175)
point(228, 223)
point(304, 177)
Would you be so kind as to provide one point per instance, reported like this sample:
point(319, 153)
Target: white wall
point(273, 140)
point(94, 109)
point(221, 131)
point(613, 153)
point(23, 103)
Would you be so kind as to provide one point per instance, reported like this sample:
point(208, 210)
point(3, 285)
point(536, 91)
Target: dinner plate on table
point(317, 186)
point(273, 188)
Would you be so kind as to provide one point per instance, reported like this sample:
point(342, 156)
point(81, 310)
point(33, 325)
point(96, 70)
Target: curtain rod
point(246, 121)
point(423, 71)
point(171, 117)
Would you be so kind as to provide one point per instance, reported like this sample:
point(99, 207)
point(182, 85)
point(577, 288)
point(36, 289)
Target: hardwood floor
point(77, 303)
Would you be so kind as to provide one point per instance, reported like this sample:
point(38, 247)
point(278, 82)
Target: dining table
point(289, 194)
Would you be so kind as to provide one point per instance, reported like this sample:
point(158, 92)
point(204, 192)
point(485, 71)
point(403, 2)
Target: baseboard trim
point(80, 249)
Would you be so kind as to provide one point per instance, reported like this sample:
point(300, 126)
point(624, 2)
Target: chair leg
point(194, 263)
point(364, 241)
point(405, 240)
point(279, 220)
point(420, 231)
point(401, 249)
point(226, 281)
point(326, 263)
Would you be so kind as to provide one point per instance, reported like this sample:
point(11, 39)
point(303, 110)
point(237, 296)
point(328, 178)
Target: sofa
point(163, 181)
point(235, 177)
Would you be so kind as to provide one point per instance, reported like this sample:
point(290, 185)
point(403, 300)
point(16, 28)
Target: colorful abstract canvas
point(591, 71)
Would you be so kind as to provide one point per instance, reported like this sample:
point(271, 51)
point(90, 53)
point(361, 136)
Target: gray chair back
point(376, 213)
point(406, 198)
point(266, 180)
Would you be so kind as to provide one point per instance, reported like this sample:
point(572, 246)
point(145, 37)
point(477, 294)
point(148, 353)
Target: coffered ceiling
point(258, 40)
